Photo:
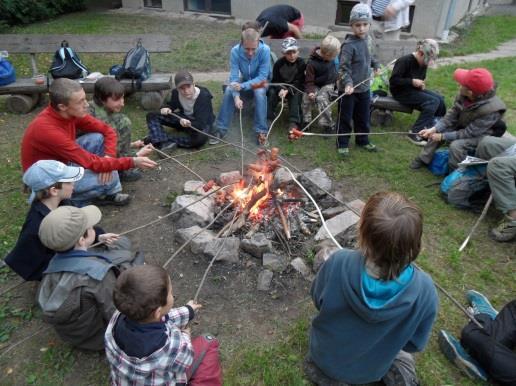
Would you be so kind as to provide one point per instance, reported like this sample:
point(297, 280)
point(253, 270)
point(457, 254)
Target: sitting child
point(193, 104)
point(407, 85)
point(108, 102)
point(50, 182)
point(320, 77)
point(374, 307)
point(476, 112)
point(356, 64)
point(148, 341)
point(289, 70)
point(75, 294)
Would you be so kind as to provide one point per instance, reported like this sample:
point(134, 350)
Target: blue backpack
point(466, 188)
point(67, 64)
point(136, 66)
point(439, 164)
point(7, 73)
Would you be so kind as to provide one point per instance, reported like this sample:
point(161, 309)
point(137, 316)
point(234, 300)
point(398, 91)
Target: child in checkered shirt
point(147, 341)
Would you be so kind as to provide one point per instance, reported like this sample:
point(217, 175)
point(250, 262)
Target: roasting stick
point(180, 163)
point(275, 119)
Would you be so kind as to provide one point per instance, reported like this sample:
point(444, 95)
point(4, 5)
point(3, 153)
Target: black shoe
point(146, 140)
point(130, 175)
point(416, 139)
point(417, 163)
point(167, 147)
point(117, 199)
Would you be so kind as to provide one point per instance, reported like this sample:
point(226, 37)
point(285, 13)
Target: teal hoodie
point(353, 342)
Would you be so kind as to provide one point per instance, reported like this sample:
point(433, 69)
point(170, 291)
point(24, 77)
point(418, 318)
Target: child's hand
point(283, 93)
point(185, 122)
point(195, 306)
point(165, 111)
point(425, 133)
point(418, 83)
point(436, 137)
point(108, 238)
point(239, 104)
point(137, 144)
point(235, 86)
point(145, 151)
point(348, 90)
point(187, 330)
point(311, 96)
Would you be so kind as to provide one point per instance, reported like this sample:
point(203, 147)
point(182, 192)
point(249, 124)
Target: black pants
point(294, 104)
point(493, 345)
point(192, 138)
point(354, 107)
point(430, 103)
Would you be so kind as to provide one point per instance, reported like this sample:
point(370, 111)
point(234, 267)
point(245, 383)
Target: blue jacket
point(351, 342)
point(249, 71)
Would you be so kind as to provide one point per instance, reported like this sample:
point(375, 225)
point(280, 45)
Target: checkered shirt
point(165, 366)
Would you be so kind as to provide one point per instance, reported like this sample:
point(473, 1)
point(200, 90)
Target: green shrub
point(15, 12)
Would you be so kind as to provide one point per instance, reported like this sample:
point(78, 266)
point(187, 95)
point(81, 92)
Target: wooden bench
point(25, 93)
point(381, 107)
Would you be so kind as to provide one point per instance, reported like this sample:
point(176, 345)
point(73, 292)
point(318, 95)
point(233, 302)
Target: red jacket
point(50, 136)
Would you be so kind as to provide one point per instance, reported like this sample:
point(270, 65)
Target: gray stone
point(332, 212)
point(230, 250)
point(314, 181)
point(337, 225)
point(257, 245)
point(264, 280)
point(200, 213)
point(230, 177)
point(274, 262)
point(282, 177)
point(199, 242)
point(299, 265)
point(356, 205)
point(192, 187)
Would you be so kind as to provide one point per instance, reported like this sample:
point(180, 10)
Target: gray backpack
point(137, 66)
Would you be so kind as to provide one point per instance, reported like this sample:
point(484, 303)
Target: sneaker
point(370, 147)
point(456, 354)
point(480, 304)
point(146, 140)
point(215, 140)
point(417, 163)
point(416, 139)
point(168, 147)
point(343, 152)
point(505, 231)
point(129, 175)
point(117, 199)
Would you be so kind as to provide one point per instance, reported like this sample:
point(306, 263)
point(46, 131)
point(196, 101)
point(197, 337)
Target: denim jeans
point(430, 103)
point(227, 109)
point(89, 187)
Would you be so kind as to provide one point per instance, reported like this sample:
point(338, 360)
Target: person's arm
point(319, 283)
point(398, 76)
point(234, 68)
point(475, 128)
point(398, 5)
point(309, 79)
point(90, 124)
point(179, 316)
point(103, 293)
point(264, 65)
point(178, 352)
point(451, 118)
point(346, 56)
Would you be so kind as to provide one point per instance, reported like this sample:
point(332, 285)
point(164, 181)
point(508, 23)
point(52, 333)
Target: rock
point(192, 187)
point(314, 181)
point(230, 250)
point(199, 242)
point(332, 212)
point(356, 205)
point(282, 177)
point(200, 213)
point(264, 280)
point(274, 262)
point(257, 245)
point(230, 177)
point(337, 225)
point(299, 265)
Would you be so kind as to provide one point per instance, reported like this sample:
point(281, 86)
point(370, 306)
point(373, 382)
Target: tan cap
point(63, 227)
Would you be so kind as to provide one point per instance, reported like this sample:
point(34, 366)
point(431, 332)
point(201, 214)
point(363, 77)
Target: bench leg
point(20, 103)
point(152, 100)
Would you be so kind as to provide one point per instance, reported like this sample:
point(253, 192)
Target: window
point(153, 3)
point(343, 11)
point(211, 6)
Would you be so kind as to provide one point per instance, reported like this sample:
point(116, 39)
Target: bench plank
point(37, 43)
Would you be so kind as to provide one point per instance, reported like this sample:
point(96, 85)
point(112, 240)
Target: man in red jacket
point(52, 135)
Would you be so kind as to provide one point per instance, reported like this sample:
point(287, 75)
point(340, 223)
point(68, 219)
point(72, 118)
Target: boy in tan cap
point(76, 290)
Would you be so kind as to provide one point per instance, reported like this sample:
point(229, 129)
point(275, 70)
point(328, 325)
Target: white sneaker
point(215, 140)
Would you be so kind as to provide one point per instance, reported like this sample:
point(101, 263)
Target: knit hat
point(183, 77)
point(430, 50)
point(45, 173)
point(63, 227)
point(360, 12)
point(478, 80)
point(289, 44)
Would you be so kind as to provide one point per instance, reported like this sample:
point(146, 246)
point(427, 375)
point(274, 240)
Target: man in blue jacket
point(249, 72)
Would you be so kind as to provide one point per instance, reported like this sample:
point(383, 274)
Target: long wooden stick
point(475, 226)
point(179, 162)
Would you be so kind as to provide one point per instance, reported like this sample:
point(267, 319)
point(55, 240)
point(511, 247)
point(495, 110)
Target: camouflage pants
point(322, 100)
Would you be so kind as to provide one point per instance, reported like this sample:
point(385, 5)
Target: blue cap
point(46, 173)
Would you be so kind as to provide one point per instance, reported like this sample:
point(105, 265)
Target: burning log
point(284, 224)
point(302, 226)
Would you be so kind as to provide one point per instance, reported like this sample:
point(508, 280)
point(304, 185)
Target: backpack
point(66, 64)
point(7, 73)
point(380, 83)
point(136, 65)
point(205, 369)
point(439, 164)
point(466, 188)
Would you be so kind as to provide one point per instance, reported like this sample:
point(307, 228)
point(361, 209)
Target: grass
point(485, 265)
point(483, 35)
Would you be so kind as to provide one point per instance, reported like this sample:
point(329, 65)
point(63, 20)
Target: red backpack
point(205, 369)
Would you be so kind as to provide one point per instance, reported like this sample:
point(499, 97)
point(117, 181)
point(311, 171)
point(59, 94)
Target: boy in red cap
point(476, 112)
